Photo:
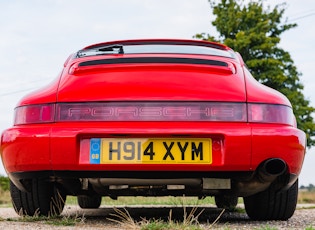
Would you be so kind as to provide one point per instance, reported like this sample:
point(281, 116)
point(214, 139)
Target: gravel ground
point(303, 218)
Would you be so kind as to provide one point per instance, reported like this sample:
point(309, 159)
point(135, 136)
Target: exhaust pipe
point(271, 169)
point(265, 174)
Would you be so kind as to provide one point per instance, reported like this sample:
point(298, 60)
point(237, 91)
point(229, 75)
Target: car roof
point(162, 41)
point(161, 46)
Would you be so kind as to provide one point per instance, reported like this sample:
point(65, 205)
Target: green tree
point(4, 183)
point(254, 31)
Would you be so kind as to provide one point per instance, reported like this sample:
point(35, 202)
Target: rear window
point(156, 48)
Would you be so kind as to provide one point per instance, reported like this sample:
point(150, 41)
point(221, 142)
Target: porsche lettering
point(141, 111)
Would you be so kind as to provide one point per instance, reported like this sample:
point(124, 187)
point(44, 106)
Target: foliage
point(5, 198)
point(310, 187)
point(254, 31)
point(4, 183)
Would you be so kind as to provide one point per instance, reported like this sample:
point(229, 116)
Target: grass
point(310, 228)
point(51, 220)
point(189, 222)
point(306, 197)
point(169, 200)
point(5, 198)
point(267, 227)
point(121, 216)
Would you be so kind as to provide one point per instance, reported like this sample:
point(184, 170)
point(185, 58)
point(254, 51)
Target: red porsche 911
point(161, 117)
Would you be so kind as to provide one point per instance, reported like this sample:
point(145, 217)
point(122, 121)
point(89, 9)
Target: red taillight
point(155, 111)
point(32, 114)
point(267, 113)
point(152, 111)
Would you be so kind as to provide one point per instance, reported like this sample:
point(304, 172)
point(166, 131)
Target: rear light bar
point(155, 111)
point(152, 111)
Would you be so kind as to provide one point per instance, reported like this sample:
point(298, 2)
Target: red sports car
point(155, 118)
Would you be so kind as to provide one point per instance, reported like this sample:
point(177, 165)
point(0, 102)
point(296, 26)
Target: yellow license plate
point(150, 151)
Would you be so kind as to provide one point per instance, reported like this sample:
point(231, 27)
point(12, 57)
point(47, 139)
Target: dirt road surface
point(303, 218)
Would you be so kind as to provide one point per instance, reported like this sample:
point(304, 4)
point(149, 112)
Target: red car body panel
point(237, 146)
point(58, 147)
point(153, 82)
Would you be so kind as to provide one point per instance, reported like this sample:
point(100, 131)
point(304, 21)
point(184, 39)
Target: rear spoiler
point(98, 65)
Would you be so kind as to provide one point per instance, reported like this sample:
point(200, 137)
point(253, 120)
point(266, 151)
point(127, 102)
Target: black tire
point(227, 202)
point(271, 204)
point(89, 201)
point(44, 199)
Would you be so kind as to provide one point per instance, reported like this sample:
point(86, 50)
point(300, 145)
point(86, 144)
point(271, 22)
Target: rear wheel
point(271, 204)
point(43, 199)
point(228, 202)
point(89, 201)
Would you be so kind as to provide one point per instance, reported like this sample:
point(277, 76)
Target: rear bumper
point(237, 147)
point(139, 183)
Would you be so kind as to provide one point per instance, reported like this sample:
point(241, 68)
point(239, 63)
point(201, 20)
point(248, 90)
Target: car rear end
point(167, 117)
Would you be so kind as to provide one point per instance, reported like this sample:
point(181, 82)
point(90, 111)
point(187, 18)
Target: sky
point(36, 37)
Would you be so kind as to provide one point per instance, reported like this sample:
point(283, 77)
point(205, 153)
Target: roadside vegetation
point(189, 221)
point(306, 196)
point(5, 198)
point(255, 29)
